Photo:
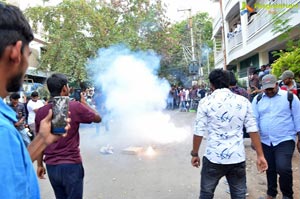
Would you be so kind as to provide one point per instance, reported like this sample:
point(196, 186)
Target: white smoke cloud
point(135, 95)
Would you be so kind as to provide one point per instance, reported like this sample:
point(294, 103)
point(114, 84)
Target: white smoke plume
point(135, 95)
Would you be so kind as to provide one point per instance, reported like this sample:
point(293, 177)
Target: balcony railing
point(235, 41)
point(259, 30)
point(217, 24)
point(227, 4)
point(266, 9)
point(219, 56)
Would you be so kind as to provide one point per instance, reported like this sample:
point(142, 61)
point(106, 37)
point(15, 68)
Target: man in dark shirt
point(21, 125)
point(254, 84)
point(201, 92)
point(235, 88)
point(62, 158)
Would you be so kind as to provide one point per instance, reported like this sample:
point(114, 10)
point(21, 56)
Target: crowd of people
point(286, 81)
point(186, 99)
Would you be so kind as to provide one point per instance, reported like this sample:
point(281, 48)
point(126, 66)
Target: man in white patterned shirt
point(222, 116)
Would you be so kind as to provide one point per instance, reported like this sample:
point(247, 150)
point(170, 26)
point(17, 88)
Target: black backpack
point(290, 97)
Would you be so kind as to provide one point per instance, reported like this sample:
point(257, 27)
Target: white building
point(38, 42)
point(253, 43)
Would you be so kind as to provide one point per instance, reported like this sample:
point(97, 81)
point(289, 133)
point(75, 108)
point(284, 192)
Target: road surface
point(166, 175)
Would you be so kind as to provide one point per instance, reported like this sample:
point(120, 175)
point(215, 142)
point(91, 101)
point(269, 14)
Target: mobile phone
point(77, 94)
point(60, 110)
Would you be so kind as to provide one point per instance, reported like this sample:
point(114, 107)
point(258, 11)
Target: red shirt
point(294, 90)
point(66, 149)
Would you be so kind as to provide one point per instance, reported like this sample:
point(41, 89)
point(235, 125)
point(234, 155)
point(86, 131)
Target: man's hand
point(40, 172)
point(82, 97)
point(261, 164)
point(18, 123)
point(195, 162)
point(45, 129)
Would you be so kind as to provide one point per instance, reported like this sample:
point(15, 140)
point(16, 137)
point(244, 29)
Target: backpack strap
point(290, 97)
point(259, 96)
point(280, 83)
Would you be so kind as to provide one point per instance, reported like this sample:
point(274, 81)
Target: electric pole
point(190, 22)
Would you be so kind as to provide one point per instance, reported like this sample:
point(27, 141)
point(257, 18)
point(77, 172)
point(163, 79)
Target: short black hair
point(34, 94)
point(55, 83)
point(13, 27)
point(14, 96)
point(232, 79)
point(219, 78)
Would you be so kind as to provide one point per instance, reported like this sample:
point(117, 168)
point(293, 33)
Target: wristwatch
point(194, 154)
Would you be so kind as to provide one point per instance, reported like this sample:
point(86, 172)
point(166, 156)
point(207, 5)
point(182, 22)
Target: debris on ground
point(107, 149)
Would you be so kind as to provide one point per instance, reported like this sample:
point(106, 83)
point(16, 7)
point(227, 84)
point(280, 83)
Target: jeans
point(211, 173)
point(170, 103)
point(25, 137)
point(32, 128)
point(182, 105)
point(66, 180)
point(279, 159)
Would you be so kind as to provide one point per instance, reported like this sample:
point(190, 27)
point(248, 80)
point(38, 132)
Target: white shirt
point(187, 95)
point(276, 121)
point(222, 115)
point(31, 106)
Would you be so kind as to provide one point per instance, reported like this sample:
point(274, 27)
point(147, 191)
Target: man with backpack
point(288, 83)
point(278, 119)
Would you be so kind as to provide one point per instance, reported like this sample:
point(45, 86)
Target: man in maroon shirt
point(62, 158)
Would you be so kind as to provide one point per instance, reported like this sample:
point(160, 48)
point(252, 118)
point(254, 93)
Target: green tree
point(288, 59)
point(71, 35)
point(179, 35)
point(76, 29)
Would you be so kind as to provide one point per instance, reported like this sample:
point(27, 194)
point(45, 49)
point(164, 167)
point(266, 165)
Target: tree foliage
point(180, 35)
point(75, 29)
point(289, 60)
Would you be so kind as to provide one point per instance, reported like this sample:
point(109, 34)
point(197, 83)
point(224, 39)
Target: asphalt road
point(167, 174)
